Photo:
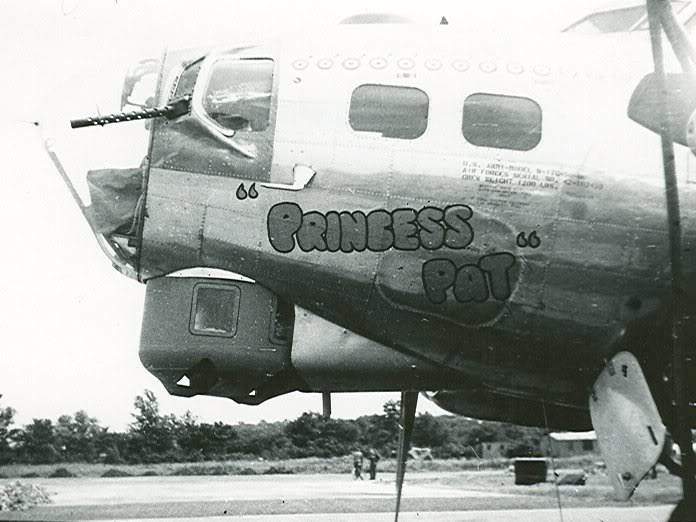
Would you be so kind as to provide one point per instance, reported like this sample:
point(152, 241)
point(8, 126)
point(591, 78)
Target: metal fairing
point(329, 357)
point(560, 260)
point(481, 402)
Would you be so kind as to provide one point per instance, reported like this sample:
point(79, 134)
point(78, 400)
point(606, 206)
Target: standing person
point(357, 464)
point(373, 457)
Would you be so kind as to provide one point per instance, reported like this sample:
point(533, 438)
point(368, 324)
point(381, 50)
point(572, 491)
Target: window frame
point(509, 97)
point(203, 81)
point(188, 68)
point(194, 308)
point(381, 132)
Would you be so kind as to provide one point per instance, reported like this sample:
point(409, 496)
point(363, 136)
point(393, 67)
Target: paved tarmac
point(607, 514)
point(145, 490)
point(296, 498)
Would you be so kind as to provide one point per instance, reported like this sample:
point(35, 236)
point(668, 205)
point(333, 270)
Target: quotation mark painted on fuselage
point(242, 193)
point(531, 241)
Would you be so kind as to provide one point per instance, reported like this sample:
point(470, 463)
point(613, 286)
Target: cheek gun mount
point(174, 109)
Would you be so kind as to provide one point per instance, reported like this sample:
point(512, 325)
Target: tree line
point(156, 437)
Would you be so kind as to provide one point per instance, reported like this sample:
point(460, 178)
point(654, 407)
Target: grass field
point(260, 467)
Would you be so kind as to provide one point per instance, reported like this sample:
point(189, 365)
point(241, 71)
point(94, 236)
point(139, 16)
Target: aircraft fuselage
point(516, 260)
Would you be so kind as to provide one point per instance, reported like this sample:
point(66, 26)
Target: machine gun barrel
point(172, 110)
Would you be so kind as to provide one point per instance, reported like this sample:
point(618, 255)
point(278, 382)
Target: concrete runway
point(266, 498)
point(612, 514)
point(139, 490)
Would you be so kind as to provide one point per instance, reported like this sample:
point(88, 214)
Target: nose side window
point(238, 94)
point(215, 310)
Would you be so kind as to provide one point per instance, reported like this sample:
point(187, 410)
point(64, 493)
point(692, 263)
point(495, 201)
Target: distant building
point(494, 450)
point(420, 453)
point(574, 444)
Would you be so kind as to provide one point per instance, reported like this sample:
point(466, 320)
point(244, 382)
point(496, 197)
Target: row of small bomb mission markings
point(431, 64)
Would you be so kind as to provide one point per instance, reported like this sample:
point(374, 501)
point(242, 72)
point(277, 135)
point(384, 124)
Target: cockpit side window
point(238, 94)
point(615, 21)
point(393, 111)
point(187, 79)
point(501, 122)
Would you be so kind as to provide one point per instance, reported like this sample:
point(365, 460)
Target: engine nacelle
point(485, 403)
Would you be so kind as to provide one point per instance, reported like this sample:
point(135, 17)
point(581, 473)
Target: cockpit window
point(393, 111)
point(502, 122)
point(187, 79)
point(238, 94)
point(615, 21)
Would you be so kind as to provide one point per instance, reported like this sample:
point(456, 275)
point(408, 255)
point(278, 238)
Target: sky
point(69, 323)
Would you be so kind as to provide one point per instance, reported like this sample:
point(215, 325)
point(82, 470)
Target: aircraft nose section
point(104, 166)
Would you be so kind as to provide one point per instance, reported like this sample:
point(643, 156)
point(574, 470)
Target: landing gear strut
point(409, 400)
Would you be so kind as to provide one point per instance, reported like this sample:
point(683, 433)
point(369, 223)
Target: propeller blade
point(681, 427)
point(409, 400)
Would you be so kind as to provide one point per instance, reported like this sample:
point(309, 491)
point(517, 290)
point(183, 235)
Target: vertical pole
point(326, 404)
point(679, 378)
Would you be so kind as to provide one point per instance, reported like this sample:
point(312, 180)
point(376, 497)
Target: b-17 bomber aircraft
point(507, 227)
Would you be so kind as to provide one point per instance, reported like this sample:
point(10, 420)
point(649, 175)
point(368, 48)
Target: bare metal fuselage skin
point(517, 272)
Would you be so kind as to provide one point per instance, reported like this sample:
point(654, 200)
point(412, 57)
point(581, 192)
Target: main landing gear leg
point(409, 400)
